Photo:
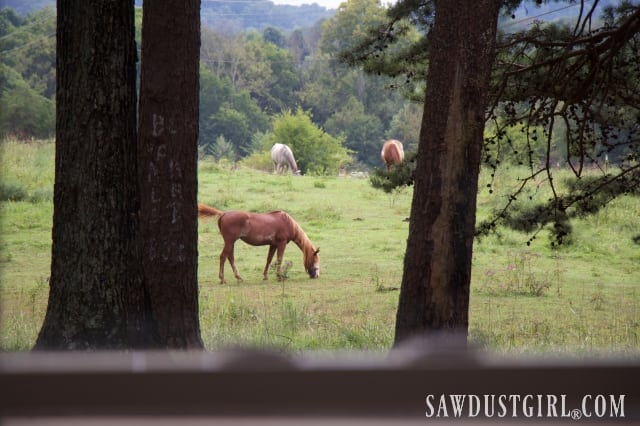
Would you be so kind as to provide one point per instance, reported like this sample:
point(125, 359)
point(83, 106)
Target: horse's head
point(313, 264)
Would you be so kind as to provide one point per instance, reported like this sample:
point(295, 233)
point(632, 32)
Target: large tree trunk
point(168, 133)
point(434, 295)
point(97, 298)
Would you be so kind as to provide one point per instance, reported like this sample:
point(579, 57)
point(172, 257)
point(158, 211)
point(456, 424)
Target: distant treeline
point(249, 79)
point(226, 14)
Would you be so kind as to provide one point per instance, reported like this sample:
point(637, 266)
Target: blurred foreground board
point(247, 387)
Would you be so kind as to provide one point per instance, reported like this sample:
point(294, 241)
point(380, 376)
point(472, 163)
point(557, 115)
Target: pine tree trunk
point(168, 133)
point(434, 295)
point(97, 296)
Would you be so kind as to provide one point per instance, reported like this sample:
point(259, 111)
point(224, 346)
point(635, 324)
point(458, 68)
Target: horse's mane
point(288, 154)
point(301, 239)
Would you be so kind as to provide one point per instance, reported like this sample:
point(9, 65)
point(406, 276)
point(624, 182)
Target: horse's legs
point(272, 251)
point(227, 253)
point(279, 260)
point(232, 261)
point(223, 258)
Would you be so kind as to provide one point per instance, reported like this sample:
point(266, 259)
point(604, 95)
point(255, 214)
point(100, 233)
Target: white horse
point(283, 159)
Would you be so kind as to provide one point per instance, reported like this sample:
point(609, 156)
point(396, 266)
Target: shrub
point(12, 191)
point(258, 161)
point(41, 195)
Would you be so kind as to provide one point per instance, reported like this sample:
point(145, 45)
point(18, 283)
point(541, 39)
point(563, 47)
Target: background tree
point(97, 297)
point(223, 149)
point(396, 46)
point(363, 132)
point(235, 16)
point(573, 92)
point(226, 112)
point(357, 97)
point(26, 114)
point(30, 49)
point(213, 91)
point(298, 46)
point(274, 36)
point(577, 78)
point(563, 93)
point(434, 294)
point(269, 74)
point(168, 133)
point(255, 74)
point(9, 20)
point(27, 73)
point(224, 54)
point(405, 126)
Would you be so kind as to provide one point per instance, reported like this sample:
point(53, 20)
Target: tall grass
point(574, 299)
point(27, 171)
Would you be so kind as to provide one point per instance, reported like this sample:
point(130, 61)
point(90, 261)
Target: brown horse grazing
point(274, 229)
point(392, 153)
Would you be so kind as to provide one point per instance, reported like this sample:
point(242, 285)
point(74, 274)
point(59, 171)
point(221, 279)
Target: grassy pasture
point(581, 298)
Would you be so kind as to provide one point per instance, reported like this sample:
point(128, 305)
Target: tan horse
point(392, 153)
point(274, 229)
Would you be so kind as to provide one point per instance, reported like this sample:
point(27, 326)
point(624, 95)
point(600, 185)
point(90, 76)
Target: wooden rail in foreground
point(250, 387)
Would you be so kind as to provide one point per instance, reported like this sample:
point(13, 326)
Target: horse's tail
point(206, 211)
point(392, 152)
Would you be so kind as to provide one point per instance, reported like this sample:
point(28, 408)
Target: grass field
point(583, 298)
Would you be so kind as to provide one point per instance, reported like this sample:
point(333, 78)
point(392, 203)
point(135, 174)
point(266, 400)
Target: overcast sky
point(329, 4)
point(530, 11)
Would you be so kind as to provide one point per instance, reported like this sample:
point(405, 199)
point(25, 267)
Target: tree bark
point(97, 297)
point(168, 133)
point(435, 287)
